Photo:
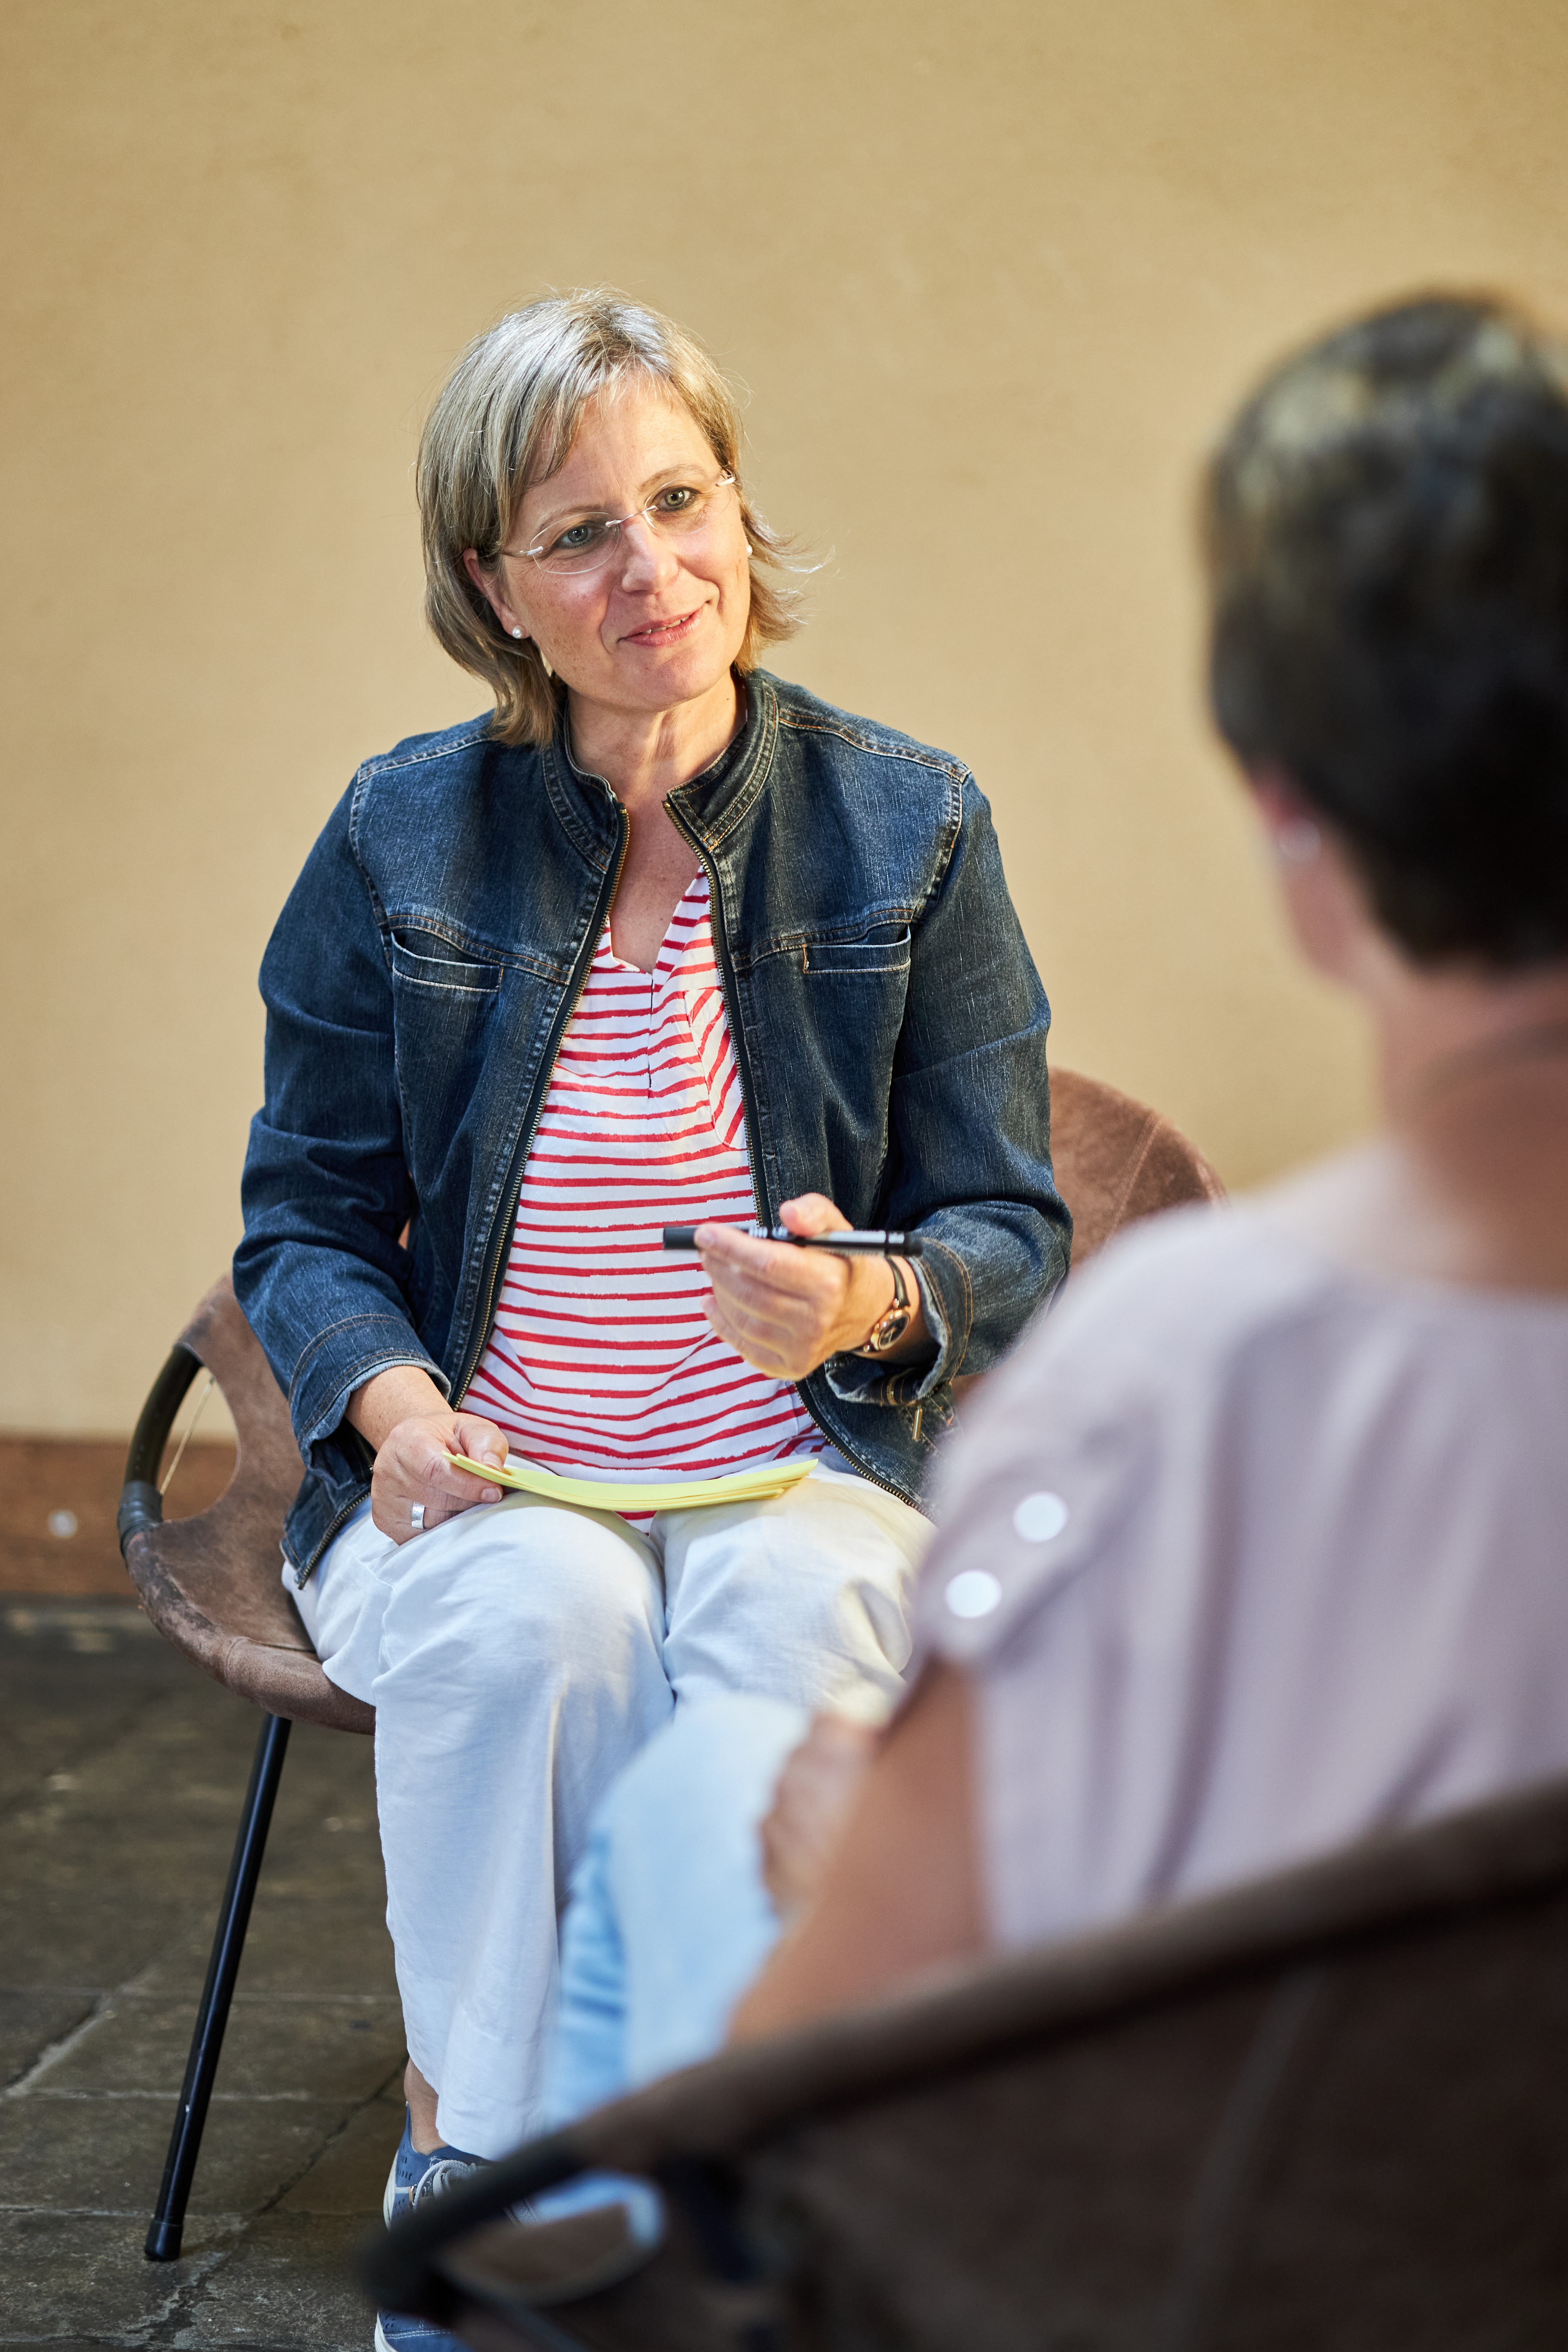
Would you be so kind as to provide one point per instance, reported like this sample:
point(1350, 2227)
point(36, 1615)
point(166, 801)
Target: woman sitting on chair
point(665, 941)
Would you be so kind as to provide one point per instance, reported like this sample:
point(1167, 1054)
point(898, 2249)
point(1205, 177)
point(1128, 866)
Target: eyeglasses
point(680, 512)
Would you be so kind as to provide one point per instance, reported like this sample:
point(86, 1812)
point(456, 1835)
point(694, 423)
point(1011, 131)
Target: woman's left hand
point(812, 1800)
point(787, 1310)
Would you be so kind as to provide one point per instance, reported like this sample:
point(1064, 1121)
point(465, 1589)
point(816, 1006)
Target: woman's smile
point(661, 632)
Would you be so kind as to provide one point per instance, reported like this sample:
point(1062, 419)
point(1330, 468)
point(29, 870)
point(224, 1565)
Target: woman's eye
point(676, 498)
point(575, 538)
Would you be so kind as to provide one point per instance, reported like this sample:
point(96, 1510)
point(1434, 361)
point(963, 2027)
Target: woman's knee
point(501, 1597)
point(804, 1599)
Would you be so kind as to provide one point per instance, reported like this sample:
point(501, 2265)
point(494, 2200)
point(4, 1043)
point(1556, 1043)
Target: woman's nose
point(643, 557)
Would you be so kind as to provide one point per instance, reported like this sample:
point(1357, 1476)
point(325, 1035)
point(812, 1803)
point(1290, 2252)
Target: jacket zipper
point(502, 1231)
point(753, 1136)
point(302, 1576)
point(501, 1237)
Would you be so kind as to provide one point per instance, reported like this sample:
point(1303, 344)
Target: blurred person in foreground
point(1256, 1544)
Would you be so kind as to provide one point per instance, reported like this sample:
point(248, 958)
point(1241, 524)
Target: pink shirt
point(1250, 1556)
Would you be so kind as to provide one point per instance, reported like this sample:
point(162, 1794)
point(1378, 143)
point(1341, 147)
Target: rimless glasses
point(680, 512)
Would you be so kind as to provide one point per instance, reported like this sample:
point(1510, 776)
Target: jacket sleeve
point(326, 1191)
point(970, 1122)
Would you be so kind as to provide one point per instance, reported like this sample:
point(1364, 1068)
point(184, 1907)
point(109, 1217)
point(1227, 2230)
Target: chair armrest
point(140, 1504)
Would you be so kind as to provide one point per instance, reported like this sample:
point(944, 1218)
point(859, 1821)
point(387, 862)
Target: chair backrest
point(213, 1584)
point(1321, 2110)
point(1117, 1161)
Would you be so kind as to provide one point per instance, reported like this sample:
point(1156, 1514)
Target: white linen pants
point(517, 1657)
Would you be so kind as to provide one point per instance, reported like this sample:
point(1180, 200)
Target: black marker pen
point(854, 1245)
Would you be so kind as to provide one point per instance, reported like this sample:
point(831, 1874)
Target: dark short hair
point(1386, 525)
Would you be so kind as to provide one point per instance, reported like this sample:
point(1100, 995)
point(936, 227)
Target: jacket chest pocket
point(835, 1011)
point(445, 1012)
point(848, 959)
point(432, 965)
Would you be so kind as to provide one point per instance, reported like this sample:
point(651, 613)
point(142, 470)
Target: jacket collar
point(713, 802)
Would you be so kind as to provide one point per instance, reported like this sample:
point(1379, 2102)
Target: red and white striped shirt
point(601, 1364)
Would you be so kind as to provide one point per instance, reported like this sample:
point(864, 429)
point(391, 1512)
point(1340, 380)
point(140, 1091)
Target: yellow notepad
point(645, 1494)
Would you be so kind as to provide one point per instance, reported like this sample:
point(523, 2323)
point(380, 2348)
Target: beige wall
point(990, 272)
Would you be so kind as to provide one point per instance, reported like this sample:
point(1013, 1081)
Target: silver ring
point(416, 1513)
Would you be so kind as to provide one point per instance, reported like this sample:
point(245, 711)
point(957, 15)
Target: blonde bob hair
point(506, 419)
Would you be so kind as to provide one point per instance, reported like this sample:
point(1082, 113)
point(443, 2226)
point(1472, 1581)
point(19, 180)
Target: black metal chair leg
point(207, 2042)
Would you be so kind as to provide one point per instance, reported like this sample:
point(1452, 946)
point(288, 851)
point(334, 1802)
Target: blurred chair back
point(1324, 2110)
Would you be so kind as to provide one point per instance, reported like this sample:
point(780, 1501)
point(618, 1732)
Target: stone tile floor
point(122, 1772)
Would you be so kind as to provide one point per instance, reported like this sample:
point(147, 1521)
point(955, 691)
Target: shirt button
point(1039, 1519)
point(974, 1594)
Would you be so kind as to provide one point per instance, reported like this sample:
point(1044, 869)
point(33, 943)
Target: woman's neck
point(643, 755)
point(1469, 1182)
point(1441, 1035)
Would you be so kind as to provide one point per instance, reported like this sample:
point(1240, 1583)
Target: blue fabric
point(669, 1919)
point(399, 2331)
point(889, 1024)
point(409, 2168)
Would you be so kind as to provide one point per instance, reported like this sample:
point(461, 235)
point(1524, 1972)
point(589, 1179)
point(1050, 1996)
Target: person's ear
point(485, 582)
point(1291, 833)
point(1324, 901)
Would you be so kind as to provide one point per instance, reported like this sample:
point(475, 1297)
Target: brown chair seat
point(213, 1584)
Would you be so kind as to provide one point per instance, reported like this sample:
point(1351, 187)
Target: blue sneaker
point(412, 2178)
point(399, 2331)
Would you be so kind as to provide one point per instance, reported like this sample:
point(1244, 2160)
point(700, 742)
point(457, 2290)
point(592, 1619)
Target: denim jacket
point(889, 1025)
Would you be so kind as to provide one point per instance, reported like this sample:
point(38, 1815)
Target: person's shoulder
point(842, 736)
point(433, 777)
point(1119, 1395)
point(1225, 1253)
point(1169, 1306)
point(445, 747)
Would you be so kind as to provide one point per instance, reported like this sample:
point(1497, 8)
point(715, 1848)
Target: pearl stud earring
point(517, 633)
point(1297, 843)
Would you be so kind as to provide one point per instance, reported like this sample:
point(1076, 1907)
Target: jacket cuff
point(862, 1380)
point(341, 1359)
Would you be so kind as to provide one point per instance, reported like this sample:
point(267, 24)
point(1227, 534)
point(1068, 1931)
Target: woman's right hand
point(415, 1433)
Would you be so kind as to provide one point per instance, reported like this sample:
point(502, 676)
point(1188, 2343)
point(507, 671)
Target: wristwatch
point(891, 1329)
